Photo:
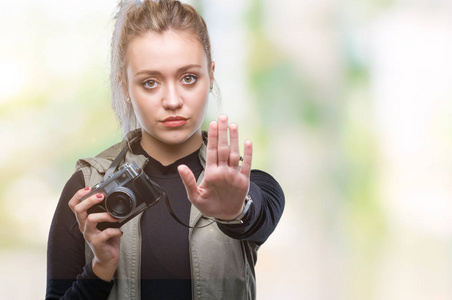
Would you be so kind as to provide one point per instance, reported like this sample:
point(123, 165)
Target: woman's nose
point(172, 99)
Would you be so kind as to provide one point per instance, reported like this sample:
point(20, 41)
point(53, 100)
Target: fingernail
point(99, 196)
point(87, 188)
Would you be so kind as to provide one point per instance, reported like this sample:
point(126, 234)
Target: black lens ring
point(128, 196)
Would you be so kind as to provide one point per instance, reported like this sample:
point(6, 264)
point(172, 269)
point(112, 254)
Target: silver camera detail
point(128, 192)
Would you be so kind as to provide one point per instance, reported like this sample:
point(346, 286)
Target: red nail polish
point(99, 196)
point(87, 188)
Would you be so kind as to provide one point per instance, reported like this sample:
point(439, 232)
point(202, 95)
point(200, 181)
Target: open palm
point(225, 184)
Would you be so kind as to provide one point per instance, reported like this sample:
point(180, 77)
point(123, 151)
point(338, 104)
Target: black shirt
point(165, 261)
point(165, 269)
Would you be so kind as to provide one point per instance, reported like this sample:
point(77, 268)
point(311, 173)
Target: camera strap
point(170, 210)
point(114, 165)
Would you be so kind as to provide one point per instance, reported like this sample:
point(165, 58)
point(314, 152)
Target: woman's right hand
point(105, 243)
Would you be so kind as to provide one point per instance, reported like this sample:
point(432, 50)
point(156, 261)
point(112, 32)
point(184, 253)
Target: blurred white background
point(348, 104)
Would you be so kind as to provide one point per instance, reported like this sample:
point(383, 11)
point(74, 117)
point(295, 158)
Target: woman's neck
point(165, 153)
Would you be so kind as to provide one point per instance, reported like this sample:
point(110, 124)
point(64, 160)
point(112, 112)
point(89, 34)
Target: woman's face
point(168, 82)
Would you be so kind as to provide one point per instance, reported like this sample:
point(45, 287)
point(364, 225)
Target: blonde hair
point(134, 18)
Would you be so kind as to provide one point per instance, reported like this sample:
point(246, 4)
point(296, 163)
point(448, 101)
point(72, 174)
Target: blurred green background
point(348, 104)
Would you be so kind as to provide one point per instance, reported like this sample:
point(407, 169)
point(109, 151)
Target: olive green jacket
point(221, 267)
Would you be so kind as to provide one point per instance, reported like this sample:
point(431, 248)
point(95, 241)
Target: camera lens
point(120, 203)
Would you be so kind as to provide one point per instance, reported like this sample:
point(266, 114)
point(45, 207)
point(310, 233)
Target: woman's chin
point(176, 137)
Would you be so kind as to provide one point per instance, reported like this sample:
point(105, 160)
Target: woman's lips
point(174, 122)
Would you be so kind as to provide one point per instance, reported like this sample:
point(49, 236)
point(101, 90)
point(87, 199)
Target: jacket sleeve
point(265, 212)
point(68, 277)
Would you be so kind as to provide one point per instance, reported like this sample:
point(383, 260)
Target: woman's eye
point(189, 79)
point(149, 84)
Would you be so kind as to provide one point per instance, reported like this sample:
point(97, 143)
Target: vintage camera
point(127, 192)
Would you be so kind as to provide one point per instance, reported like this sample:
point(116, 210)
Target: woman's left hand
point(222, 192)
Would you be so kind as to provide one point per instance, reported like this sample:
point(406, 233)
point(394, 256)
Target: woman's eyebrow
point(188, 67)
point(180, 70)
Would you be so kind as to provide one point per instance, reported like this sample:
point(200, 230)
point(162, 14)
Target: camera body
point(127, 192)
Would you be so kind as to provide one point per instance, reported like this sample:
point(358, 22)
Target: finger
point(234, 154)
point(77, 196)
point(247, 158)
point(189, 181)
point(109, 233)
point(223, 145)
point(212, 144)
point(93, 219)
point(105, 235)
point(83, 206)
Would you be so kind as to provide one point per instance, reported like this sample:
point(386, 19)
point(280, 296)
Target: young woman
point(161, 75)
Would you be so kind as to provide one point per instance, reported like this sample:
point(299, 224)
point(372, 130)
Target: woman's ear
point(212, 77)
point(124, 87)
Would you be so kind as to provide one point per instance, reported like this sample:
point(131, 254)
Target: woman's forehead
point(167, 50)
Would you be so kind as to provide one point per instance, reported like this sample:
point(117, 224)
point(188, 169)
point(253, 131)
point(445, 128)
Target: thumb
point(189, 181)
